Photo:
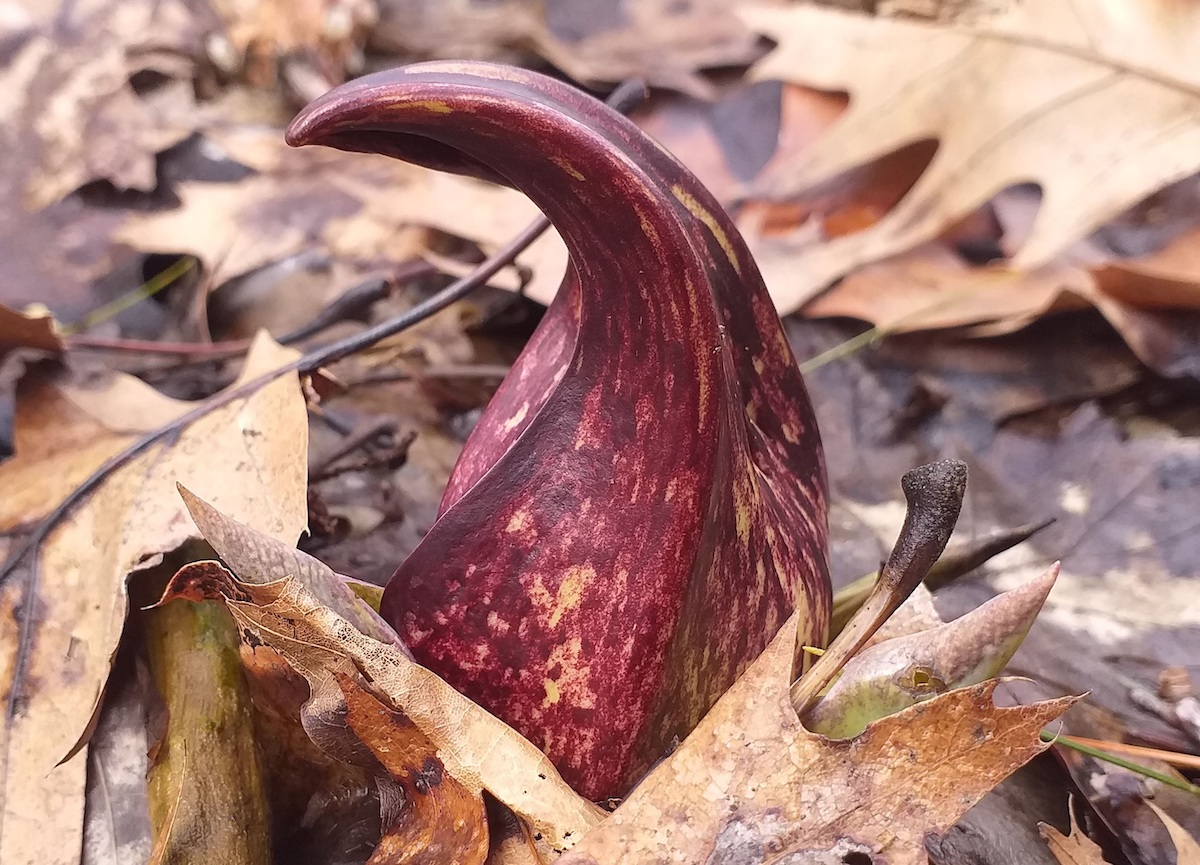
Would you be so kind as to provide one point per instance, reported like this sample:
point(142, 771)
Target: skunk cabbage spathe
point(643, 502)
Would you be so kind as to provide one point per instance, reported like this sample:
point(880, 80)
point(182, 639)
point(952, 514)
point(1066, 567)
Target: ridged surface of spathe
point(643, 502)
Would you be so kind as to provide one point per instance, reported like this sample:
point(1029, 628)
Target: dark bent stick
point(623, 99)
point(934, 493)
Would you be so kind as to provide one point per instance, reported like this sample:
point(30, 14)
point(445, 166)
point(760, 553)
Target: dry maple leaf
point(70, 605)
point(643, 502)
point(750, 784)
point(1096, 103)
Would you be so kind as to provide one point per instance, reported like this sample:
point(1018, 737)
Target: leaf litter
point(1138, 290)
point(70, 604)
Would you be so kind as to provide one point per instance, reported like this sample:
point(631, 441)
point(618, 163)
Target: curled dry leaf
point(891, 675)
point(751, 784)
point(260, 558)
point(70, 604)
point(475, 748)
point(643, 502)
point(1052, 93)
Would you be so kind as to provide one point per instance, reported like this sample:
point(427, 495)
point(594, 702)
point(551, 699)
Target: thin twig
point(344, 306)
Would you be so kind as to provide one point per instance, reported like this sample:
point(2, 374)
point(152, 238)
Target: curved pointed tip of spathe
point(307, 126)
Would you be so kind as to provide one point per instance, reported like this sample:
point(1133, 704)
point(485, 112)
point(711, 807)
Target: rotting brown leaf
point(476, 748)
point(248, 457)
point(750, 782)
point(441, 819)
point(666, 42)
point(70, 115)
point(1049, 93)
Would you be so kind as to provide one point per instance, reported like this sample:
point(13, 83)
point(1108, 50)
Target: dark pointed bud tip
point(935, 495)
point(936, 487)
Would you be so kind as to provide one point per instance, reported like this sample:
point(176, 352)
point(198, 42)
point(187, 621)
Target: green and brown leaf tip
point(643, 502)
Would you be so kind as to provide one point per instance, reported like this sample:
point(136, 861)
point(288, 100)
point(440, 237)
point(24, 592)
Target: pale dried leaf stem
point(1109, 757)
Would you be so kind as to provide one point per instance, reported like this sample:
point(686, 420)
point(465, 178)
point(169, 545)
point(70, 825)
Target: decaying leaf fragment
point(441, 819)
point(643, 502)
point(750, 784)
point(1074, 849)
point(476, 749)
point(21, 330)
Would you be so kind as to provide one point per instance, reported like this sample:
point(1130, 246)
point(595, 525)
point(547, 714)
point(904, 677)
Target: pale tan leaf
point(1073, 849)
point(750, 783)
point(1187, 851)
point(249, 457)
point(359, 208)
point(1096, 103)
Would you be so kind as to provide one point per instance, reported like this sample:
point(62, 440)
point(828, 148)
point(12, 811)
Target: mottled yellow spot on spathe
point(519, 522)
point(565, 164)
point(512, 422)
point(698, 210)
point(437, 106)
